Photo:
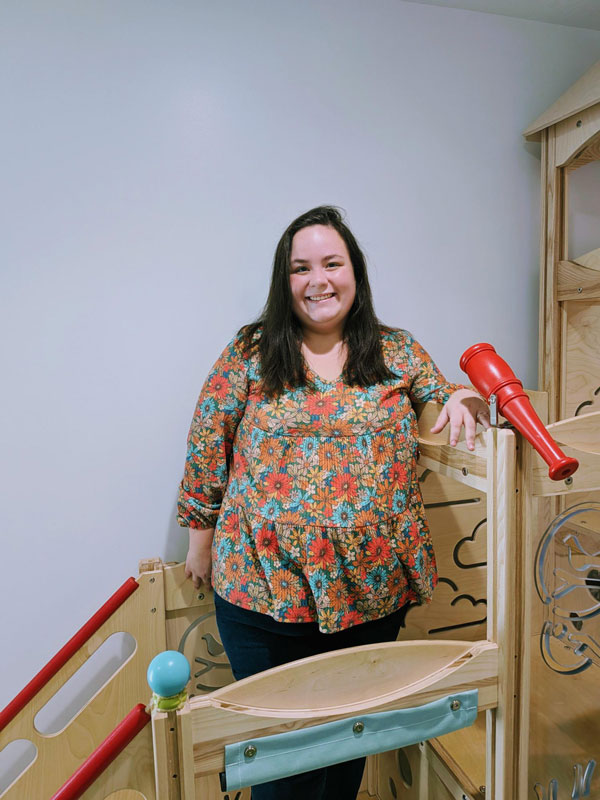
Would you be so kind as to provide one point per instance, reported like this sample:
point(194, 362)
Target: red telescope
point(490, 375)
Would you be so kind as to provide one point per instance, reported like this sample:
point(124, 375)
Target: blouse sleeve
point(218, 412)
point(426, 381)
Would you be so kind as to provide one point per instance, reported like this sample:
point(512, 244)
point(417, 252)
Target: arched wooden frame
point(569, 132)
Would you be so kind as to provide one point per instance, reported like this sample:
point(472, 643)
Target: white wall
point(152, 154)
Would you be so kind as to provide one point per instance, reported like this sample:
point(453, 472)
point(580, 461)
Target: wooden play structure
point(492, 691)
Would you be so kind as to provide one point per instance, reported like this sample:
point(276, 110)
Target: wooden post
point(504, 625)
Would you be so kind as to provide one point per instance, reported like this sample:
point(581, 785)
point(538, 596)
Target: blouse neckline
point(316, 375)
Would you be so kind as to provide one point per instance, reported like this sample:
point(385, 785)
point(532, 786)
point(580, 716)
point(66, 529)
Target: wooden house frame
point(569, 332)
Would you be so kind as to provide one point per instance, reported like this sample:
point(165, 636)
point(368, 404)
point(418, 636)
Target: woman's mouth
point(317, 298)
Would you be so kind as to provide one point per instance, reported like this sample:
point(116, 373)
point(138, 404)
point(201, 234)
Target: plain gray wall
point(153, 152)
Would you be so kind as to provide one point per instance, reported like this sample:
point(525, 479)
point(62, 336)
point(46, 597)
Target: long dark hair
point(277, 332)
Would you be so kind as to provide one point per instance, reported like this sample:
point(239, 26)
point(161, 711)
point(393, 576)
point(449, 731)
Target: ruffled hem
point(338, 577)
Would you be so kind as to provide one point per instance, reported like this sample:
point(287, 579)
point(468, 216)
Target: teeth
point(320, 296)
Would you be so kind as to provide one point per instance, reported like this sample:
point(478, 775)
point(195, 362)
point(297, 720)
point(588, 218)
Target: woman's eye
point(333, 264)
point(297, 270)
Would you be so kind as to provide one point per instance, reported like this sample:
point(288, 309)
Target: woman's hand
point(467, 408)
point(198, 564)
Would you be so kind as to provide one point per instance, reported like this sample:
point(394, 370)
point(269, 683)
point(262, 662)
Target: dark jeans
point(256, 642)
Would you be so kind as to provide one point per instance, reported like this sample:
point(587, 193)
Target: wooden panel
point(456, 517)
point(400, 775)
point(437, 489)
point(576, 282)
point(463, 754)
point(459, 463)
point(580, 433)
point(194, 632)
point(565, 724)
point(586, 479)
point(582, 360)
point(180, 592)
point(133, 767)
point(142, 615)
point(577, 138)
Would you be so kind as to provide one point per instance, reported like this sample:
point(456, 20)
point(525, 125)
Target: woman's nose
point(318, 277)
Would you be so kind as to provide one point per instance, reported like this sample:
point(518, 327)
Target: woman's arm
point(462, 406)
point(220, 408)
point(198, 564)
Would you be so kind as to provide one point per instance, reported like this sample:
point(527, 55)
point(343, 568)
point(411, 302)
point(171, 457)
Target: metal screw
point(568, 481)
point(358, 727)
point(579, 123)
point(465, 471)
point(152, 580)
point(200, 596)
point(455, 705)
point(153, 611)
point(250, 751)
point(580, 289)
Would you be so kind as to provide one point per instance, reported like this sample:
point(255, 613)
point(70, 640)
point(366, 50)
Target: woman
point(300, 489)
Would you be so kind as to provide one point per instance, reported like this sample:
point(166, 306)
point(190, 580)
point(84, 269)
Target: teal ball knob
point(168, 673)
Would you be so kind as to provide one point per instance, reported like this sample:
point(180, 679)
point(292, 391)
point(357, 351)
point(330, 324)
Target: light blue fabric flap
point(258, 760)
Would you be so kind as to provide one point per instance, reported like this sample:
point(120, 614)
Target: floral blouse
point(314, 494)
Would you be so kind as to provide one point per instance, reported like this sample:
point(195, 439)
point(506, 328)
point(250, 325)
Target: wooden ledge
point(356, 679)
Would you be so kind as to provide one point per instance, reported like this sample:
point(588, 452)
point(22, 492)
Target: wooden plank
point(586, 479)
point(180, 592)
point(345, 681)
point(399, 775)
point(185, 753)
point(458, 463)
point(463, 753)
point(437, 489)
point(552, 250)
point(576, 282)
point(580, 433)
point(450, 772)
point(577, 138)
point(166, 762)
point(503, 606)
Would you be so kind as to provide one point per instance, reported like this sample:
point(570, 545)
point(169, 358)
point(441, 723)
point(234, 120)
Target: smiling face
point(321, 279)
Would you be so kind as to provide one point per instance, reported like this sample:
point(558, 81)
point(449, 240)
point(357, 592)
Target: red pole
point(490, 374)
point(65, 653)
point(104, 755)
